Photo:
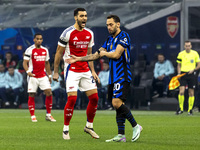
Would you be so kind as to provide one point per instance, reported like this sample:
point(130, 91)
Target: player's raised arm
point(58, 56)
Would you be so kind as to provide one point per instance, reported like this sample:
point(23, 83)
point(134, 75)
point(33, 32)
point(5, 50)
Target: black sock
point(128, 115)
point(120, 119)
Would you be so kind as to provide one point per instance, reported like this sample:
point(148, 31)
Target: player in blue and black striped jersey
point(117, 49)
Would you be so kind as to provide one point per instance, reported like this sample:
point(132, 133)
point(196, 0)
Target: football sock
point(181, 101)
point(66, 128)
point(69, 108)
point(120, 119)
point(31, 105)
point(128, 115)
point(89, 124)
point(48, 103)
point(191, 103)
point(92, 107)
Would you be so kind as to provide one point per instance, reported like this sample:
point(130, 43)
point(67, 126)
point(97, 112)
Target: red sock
point(31, 105)
point(92, 107)
point(69, 108)
point(48, 103)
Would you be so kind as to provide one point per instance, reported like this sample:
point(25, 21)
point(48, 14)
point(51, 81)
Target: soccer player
point(188, 62)
point(78, 40)
point(117, 49)
point(36, 61)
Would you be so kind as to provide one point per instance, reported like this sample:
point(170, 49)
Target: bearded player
point(78, 40)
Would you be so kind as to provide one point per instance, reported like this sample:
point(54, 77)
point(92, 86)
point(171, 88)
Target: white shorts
point(83, 81)
point(33, 84)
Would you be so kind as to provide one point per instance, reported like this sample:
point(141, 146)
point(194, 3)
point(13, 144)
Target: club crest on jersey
point(75, 38)
point(43, 52)
point(172, 26)
point(192, 61)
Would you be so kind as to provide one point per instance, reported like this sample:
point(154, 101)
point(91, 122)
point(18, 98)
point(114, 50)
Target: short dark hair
point(9, 53)
point(187, 41)
point(115, 18)
point(77, 10)
point(11, 66)
point(161, 54)
point(37, 34)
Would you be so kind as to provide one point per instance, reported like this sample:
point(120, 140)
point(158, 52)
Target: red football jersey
point(76, 43)
point(37, 59)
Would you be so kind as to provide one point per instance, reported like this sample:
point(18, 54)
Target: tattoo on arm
point(90, 57)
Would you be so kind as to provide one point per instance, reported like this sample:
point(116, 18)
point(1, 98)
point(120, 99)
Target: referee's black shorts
point(189, 79)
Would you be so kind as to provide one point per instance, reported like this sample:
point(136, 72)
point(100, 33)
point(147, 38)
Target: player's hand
point(95, 76)
point(102, 53)
point(191, 71)
point(50, 79)
point(30, 74)
point(72, 59)
point(55, 77)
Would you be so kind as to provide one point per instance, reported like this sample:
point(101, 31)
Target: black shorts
point(119, 90)
point(189, 79)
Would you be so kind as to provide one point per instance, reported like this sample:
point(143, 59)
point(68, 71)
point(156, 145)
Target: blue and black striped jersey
point(119, 68)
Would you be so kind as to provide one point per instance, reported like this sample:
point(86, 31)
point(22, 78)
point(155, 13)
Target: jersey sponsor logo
point(172, 26)
point(87, 37)
point(81, 44)
point(35, 53)
point(75, 38)
point(39, 58)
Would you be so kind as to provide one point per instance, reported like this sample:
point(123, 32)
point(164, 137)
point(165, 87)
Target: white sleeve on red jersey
point(47, 56)
point(64, 38)
point(28, 52)
point(92, 37)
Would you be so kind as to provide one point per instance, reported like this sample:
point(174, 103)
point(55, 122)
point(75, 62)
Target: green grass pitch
point(161, 130)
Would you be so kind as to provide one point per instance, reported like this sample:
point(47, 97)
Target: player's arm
point(58, 56)
point(179, 68)
point(48, 70)
point(91, 65)
point(197, 68)
point(25, 65)
point(113, 55)
point(90, 57)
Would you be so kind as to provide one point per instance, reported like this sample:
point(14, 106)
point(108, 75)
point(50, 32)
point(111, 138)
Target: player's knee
point(48, 92)
point(32, 94)
point(71, 101)
point(93, 99)
point(116, 103)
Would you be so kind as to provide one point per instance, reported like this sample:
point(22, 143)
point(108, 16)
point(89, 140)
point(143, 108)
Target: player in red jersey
point(36, 61)
point(78, 40)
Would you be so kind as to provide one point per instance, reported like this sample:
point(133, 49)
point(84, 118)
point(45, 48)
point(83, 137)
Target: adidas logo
point(75, 38)
point(35, 53)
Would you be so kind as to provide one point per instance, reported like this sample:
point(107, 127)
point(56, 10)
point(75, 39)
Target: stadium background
point(146, 21)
